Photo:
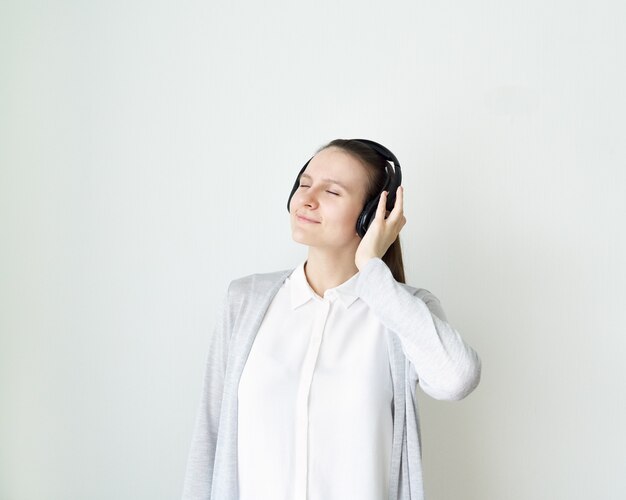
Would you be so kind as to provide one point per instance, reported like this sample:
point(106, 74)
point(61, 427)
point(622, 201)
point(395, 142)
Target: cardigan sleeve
point(201, 458)
point(446, 366)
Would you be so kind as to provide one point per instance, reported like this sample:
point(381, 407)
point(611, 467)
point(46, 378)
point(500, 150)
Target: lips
point(306, 219)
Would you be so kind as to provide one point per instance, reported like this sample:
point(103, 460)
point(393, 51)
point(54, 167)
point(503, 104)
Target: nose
point(308, 197)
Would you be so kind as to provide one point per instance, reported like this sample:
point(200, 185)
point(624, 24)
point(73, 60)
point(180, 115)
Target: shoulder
point(258, 283)
point(376, 272)
point(421, 293)
point(376, 275)
point(430, 299)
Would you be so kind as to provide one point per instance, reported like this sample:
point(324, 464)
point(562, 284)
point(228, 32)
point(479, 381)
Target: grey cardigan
point(448, 369)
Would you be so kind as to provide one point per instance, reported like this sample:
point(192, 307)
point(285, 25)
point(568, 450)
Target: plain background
point(147, 149)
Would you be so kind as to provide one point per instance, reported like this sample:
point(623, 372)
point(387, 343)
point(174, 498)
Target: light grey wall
point(147, 150)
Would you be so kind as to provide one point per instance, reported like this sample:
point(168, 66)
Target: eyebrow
point(331, 181)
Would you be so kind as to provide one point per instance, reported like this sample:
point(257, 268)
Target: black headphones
point(393, 179)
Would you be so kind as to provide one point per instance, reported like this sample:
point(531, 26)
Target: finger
point(398, 206)
point(382, 203)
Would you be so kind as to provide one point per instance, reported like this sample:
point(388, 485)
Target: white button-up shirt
point(315, 399)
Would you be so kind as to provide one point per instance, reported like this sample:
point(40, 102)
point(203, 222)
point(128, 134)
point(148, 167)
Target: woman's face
point(331, 196)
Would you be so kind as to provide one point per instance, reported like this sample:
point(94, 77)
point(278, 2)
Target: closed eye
point(329, 192)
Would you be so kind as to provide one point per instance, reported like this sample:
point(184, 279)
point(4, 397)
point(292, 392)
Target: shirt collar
point(301, 291)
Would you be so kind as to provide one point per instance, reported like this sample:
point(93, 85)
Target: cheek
point(348, 218)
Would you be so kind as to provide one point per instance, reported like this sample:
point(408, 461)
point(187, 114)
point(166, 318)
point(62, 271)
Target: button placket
point(302, 398)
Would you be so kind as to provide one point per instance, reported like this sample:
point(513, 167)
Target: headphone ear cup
point(391, 196)
point(390, 187)
point(367, 216)
point(369, 211)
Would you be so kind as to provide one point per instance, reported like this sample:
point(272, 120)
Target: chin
point(298, 238)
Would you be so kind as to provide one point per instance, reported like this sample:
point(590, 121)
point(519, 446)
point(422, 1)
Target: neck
point(325, 269)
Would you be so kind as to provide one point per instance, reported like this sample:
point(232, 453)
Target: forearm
point(447, 367)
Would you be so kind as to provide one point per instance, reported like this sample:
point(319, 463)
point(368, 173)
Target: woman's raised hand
point(382, 231)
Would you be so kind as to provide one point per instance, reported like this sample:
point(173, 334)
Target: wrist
point(362, 261)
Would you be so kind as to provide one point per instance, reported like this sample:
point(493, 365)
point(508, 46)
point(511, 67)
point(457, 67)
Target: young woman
point(309, 388)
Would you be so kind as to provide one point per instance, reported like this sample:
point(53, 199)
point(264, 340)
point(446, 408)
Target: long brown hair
point(374, 165)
